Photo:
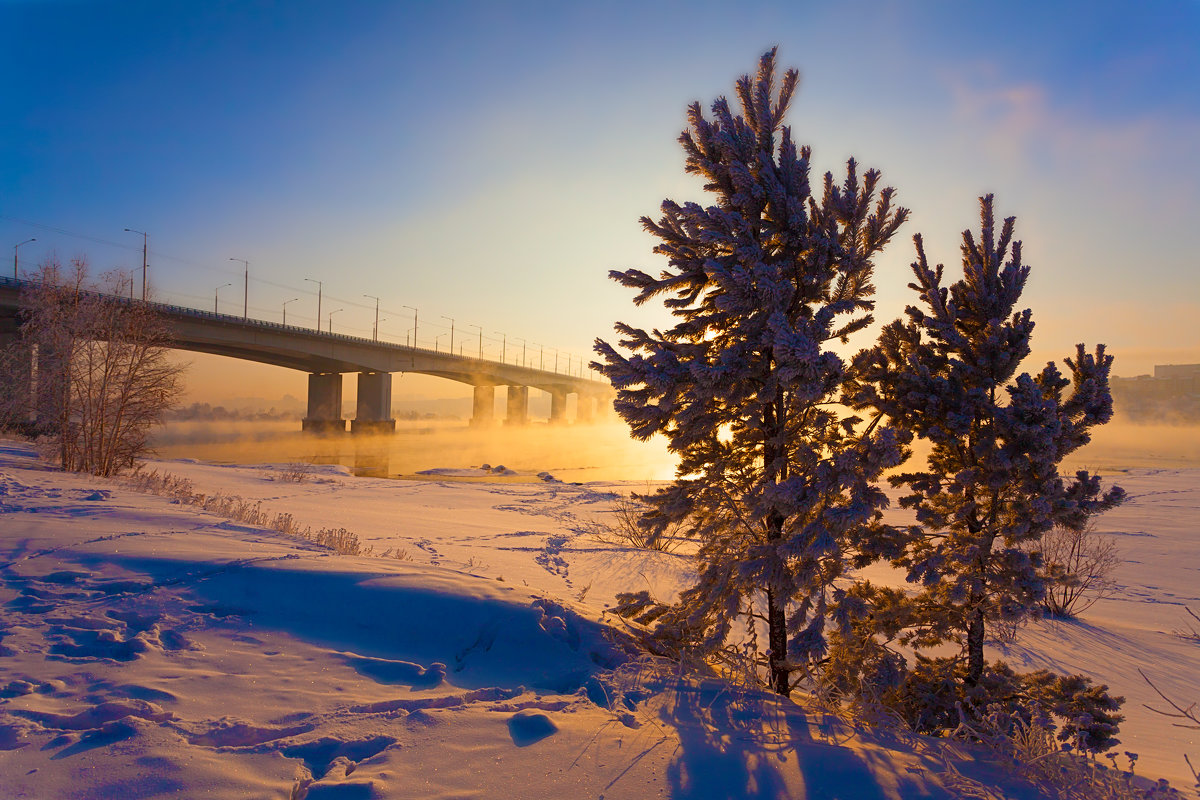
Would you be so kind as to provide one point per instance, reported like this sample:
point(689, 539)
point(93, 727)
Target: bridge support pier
point(585, 410)
point(324, 403)
point(374, 409)
point(558, 406)
point(517, 410)
point(484, 410)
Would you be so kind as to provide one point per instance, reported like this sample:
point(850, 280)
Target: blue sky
point(488, 161)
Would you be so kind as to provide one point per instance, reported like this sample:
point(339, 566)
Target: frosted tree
point(774, 480)
point(991, 488)
point(103, 376)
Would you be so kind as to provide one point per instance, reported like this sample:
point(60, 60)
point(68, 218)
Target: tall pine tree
point(774, 480)
point(991, 487)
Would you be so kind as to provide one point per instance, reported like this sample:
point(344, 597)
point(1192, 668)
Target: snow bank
point(149, 649)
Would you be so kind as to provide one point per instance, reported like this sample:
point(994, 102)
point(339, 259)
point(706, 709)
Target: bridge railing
point(196, 313)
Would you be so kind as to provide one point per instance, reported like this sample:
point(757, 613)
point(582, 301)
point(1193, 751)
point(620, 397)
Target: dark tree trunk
point(975, 634)
point(777, 625)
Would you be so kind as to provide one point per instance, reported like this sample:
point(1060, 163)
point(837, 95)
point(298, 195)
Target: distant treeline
point(206, 412)
point(209, 413)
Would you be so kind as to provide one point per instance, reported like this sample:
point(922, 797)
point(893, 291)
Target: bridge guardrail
point(261, 323)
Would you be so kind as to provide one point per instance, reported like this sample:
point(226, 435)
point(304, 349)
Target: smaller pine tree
point(991, 487)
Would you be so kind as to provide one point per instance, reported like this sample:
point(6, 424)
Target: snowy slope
point(150, 649)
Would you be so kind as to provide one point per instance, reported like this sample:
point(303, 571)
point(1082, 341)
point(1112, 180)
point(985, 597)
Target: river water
point(602, 452)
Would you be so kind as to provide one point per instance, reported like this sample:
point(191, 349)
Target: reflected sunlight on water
point(573, 452)
point(601, 452)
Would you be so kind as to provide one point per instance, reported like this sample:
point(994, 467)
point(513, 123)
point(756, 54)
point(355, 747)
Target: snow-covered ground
point(151, 649)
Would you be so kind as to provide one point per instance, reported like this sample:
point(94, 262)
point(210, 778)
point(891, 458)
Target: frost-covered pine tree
point(991, 488)
point(774, 480)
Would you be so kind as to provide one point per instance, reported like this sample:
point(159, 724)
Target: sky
point(488, 162)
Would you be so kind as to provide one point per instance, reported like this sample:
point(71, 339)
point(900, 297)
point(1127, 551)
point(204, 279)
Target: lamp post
point(410, 308)
point(145, 255)
point(246, 294)
point(331, 313)
point(555, 349)
point(541, 355)
point(375, 330)
point(320, 286)
point(217, 294)
point(503, 346)
point(436, 339)
point(480, 338)
point(15, 246)
point(451, 333)
point(523, 343)
point(285, 302)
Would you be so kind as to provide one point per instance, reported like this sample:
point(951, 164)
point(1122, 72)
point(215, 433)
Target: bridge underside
point(373, 412)
point(373, 407)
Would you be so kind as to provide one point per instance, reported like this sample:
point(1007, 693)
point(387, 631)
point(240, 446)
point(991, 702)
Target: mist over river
point(601, 452)
point(580, 453)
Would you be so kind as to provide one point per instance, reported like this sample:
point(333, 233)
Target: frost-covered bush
point(251, 512)
point(626, 525)
point(1078, 565)
point(934, 699)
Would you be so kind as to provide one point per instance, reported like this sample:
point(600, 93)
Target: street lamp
point(541, 355)
point(246, 295)
point(216, 295)
point(523, 343)
point(331, 313)
point(480, 338)
point(414, 343)
point(15, 246)
point(285, 302)
point(436, 339)
point(451, 333)
point(320, 286)
point(555, 349)
point(375, 331)
point(145, 253)
point(503, 345)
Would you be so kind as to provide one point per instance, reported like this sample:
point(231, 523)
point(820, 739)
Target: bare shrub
point(295, 472)
point(1078, 566)
point(1188, 718)
point(623, 526)
point(251, 512)
point(96, 366)
point(339, 540)
point(397, 553)
point(1191, 630)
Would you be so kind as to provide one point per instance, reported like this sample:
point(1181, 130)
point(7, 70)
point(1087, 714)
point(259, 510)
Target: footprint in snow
point(230, 732)
point(384, 670)
point(322, 755)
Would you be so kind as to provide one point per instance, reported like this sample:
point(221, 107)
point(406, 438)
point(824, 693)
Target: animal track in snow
point(231, 732)
point(385, 670)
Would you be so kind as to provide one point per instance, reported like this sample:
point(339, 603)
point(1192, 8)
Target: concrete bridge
point(326, 357)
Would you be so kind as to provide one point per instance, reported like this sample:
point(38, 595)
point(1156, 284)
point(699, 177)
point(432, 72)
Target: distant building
point(1174, 371)
point(1173, 391)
